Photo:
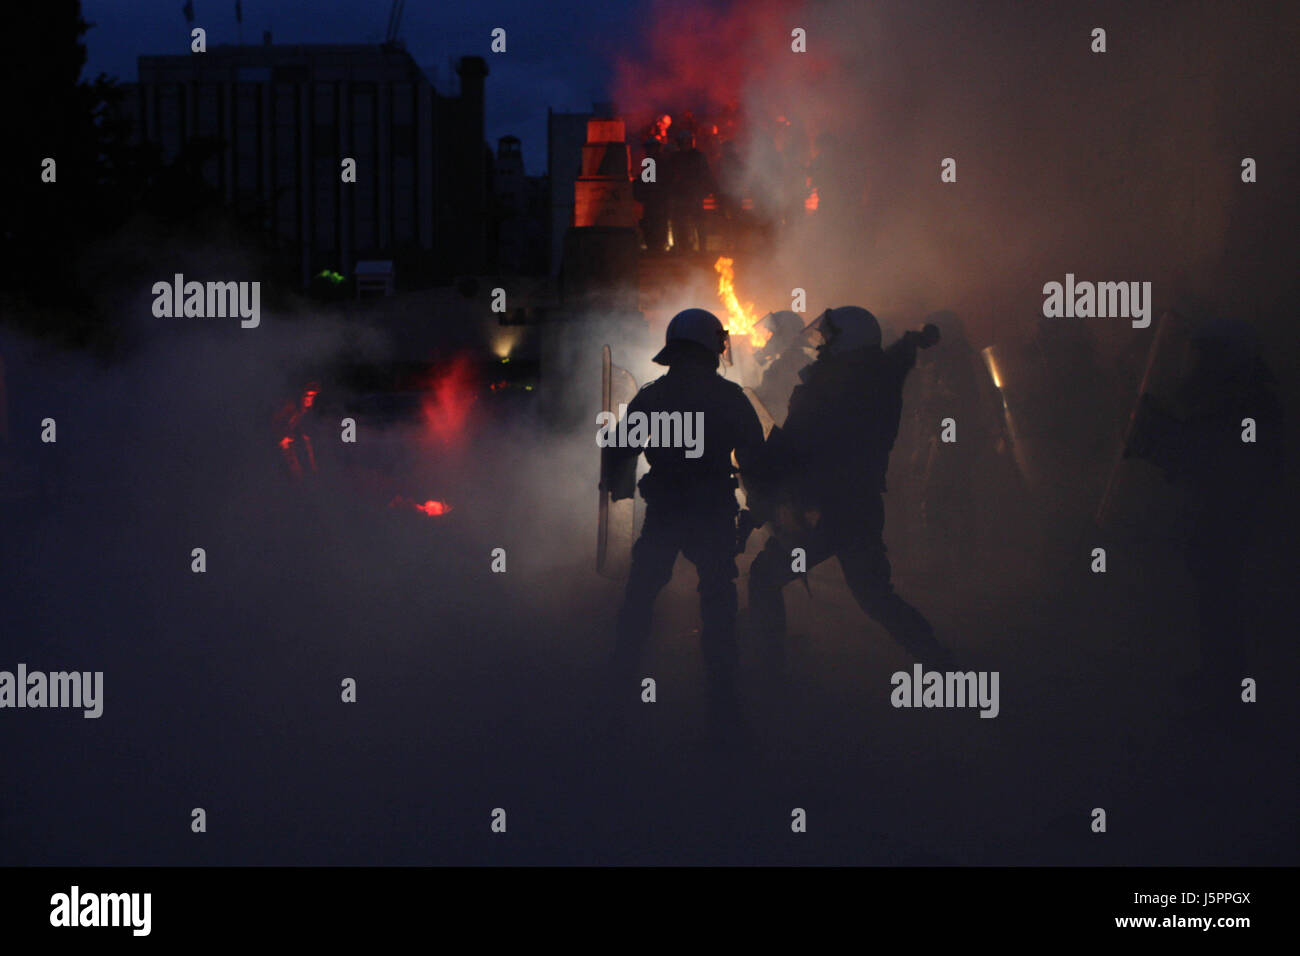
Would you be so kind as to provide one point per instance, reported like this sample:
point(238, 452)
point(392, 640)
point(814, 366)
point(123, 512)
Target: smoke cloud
point(1123, 165)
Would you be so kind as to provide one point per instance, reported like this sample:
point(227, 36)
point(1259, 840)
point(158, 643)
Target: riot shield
point(616, 520)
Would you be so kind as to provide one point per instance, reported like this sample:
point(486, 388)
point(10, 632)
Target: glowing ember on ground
point(432, 508)
point(740, 320)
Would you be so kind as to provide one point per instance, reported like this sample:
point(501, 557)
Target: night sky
point(565, 69)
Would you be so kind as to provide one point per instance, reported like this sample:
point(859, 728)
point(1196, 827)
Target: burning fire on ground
point(741, 320)
point(433, 509)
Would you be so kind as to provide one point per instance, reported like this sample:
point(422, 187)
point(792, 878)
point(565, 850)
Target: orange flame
point(741, 320)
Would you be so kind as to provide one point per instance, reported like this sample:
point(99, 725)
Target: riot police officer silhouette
point(829, 462)
point(691, 503)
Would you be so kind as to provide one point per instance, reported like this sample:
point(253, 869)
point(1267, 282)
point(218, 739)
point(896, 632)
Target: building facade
point(285, 117)
point(523, 213)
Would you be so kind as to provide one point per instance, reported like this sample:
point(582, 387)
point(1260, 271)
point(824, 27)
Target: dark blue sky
point(559, 52)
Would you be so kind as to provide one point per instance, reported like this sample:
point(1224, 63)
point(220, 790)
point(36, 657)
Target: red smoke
point(706, 59)
point(449, 400)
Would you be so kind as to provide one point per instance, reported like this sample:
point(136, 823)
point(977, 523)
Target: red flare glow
point(682, 61)
point(449, 400)
point(432, 508)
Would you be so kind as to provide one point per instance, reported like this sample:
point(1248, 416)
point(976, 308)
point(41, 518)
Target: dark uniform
point(1198, 443)
point(654, 200)
point(782, 358)
point(780, 380)
point(940, 507)
point(690, 508)
point(830, 459)
point(689, 182)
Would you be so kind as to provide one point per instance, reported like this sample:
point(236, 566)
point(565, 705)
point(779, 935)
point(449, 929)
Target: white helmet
point(693, 325)
point(846, 328)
